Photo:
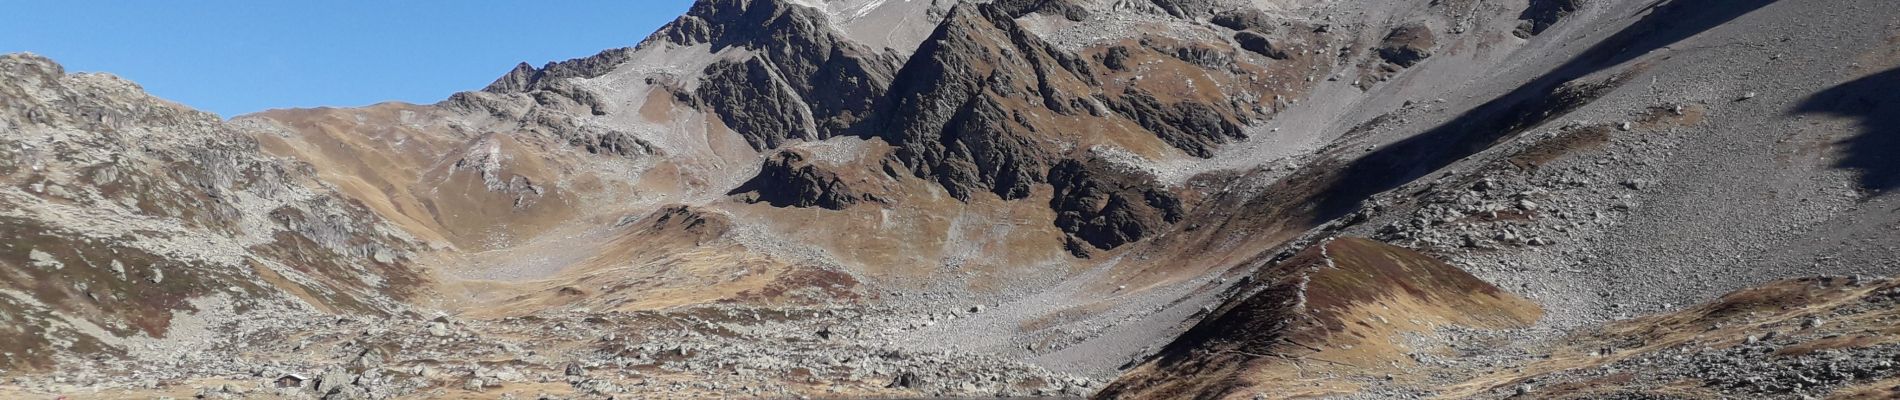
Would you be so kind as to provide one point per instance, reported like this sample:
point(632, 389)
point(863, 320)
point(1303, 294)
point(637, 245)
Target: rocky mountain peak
point(1019, 198)
point(752, 23)
point(525, 77)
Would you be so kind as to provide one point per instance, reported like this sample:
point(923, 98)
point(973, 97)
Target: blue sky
point(236, 57)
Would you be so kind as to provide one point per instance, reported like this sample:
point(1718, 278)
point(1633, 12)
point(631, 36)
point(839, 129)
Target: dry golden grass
point(1327, 319)
point(1725, 322)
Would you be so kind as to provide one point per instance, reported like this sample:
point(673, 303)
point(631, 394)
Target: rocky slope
point(1336, 314)
point(138, 230)
point(1221, 198)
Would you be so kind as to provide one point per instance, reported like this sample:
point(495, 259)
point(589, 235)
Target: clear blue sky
point(237, 57)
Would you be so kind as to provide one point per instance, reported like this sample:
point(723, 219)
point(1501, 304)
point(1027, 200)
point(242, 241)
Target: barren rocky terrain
point(1114, 199)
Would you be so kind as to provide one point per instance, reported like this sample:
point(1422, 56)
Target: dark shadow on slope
point(1545, 98)
point(1875, 100)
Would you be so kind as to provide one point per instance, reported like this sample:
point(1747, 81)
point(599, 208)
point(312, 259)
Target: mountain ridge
point(1018, 198)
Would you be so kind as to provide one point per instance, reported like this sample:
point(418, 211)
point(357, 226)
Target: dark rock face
point(1542, 14)
point(516, 80)
point(1407, 45)
point(951, 114)
point(1260, 44)
point(789, 179)
point(562, 94)
point(756, 102)
point(974, 108)
point(800, 66)
point(1192, 127)
point(1116, 58)
point(1244, 20)
point(1186, 8)
point(750, 23)
point(615, 143)
point(980, 148)
point(526, 78)
point(906, 380)
point(981, 106)
point(1204, 56)
point(1103, 207)
point(1065, 8)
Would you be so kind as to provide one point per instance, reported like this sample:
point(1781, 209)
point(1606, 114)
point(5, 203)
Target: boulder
point(1260, 44)
point(1407, 45)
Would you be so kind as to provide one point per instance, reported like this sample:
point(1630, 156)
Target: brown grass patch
point(1833, 343)
point(1565, 143)
point(1324, 320)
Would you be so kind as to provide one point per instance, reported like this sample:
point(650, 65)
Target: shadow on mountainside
point(1545, 98)
point(1875, 101)
point(1337, 189)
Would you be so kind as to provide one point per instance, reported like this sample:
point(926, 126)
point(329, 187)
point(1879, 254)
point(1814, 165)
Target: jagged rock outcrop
point(1407, 45)
point(953, 112)
point(1116, 58)
point(1188, 8)
point(791, 178)
point(1103, 206)
point(1542, 14)
point(1201, 55)
point(983, 105)
point(609, 142)
point(1261, 44)
point(972, 106)
point(1190, 126)
point(1063, 8)
point(698, 224)
point(526, 78)
point(1243, 20)
point(799, 78)
point(757, 102)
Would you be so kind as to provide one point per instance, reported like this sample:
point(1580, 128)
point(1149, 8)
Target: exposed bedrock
point(964, 109)
point(801, 79)
point(953, 113)
point(790, 178)
point(1103, 206)
point(1542, 14)
point(526, 78)
point(755, 101)
point(1244, 20)
point(1407, 45)
point(1188, 8)
point(1192, 127)
point(1262, 45)
point(984, 105)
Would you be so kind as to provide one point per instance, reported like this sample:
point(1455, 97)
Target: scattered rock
point(1260, 44)
point(906, 380)
point(1407, 45)
point(575, 369)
